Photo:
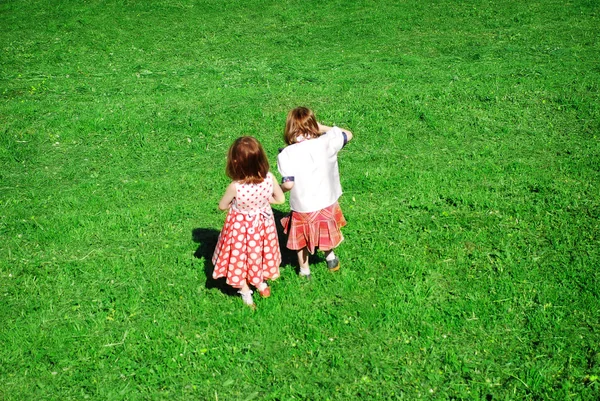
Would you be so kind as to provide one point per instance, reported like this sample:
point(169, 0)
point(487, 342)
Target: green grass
point(470, 266)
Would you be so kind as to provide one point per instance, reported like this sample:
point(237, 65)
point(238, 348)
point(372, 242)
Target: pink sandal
point(265, 293)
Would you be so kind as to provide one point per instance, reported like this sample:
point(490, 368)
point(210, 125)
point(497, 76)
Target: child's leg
point(245, 288)
point(303, 262)
point(246, 294)
point(333, 263)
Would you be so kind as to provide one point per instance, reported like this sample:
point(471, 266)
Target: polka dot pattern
point(248, 248)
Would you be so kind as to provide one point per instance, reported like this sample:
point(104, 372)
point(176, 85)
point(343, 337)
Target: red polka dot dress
point(248, 249)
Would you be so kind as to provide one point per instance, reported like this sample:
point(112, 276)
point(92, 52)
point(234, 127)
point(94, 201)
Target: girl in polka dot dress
point(247, 251)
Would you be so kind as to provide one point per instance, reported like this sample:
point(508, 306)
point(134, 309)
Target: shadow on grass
point(288, 256)
point(207, 238)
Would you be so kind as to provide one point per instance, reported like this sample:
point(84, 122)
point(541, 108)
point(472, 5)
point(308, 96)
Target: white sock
point(305, 271)
point(262, 286)
point(247, 297)
point(330, 256)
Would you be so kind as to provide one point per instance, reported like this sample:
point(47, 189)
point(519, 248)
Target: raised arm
point(348, 134)
point(325, 128)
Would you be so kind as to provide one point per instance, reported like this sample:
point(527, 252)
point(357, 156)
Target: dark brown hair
point(301, 121)
point(247, 161)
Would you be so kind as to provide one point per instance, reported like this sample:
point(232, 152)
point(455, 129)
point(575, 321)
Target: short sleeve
point(335, 138)
point(284, 165)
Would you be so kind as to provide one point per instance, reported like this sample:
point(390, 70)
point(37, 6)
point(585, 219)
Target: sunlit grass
point(471, 194)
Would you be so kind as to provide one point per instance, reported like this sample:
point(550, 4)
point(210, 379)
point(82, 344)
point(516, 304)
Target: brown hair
point(247, 161)
point(301, 121)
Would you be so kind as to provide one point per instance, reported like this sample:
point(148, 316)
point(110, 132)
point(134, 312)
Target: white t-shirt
point(312, 165)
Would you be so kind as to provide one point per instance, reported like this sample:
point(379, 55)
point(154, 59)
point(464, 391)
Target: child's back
point(247, 251)
point(309, 170)
point(314, 166)
point(254, 197)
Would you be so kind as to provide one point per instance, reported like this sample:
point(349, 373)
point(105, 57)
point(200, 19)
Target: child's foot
point(305, 273)
point(247, 298)
point(333, 265)
point(264, 290)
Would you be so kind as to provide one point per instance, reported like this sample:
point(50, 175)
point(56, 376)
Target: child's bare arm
point(230, 193)
point(287, 186)
point(325, 128)
point(278, 196)
point(349, 135)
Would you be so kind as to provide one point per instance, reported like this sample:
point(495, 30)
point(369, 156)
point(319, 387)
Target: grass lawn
point(471, 189)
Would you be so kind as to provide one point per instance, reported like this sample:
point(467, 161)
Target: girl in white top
point(309, 170)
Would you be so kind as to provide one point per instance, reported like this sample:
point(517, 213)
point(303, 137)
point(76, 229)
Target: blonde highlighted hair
point(301, 124)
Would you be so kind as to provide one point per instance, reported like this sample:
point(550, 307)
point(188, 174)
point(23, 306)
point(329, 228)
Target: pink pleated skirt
point(320, 229)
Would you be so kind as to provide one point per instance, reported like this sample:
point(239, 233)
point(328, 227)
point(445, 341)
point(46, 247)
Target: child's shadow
point(289, 257)
point(207, 238)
